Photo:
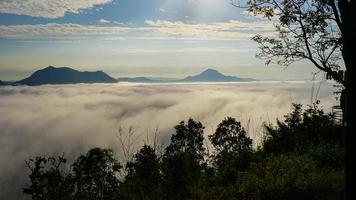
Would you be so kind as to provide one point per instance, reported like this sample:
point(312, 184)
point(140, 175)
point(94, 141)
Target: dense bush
point(143, 175)
point(301, 157)
point(93, 176)
point(301, 130)
point(289, 176)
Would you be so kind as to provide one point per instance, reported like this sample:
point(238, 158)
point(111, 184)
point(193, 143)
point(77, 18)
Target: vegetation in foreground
point(301, 157)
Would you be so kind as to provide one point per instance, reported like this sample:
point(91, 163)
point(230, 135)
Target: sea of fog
point(52, 119)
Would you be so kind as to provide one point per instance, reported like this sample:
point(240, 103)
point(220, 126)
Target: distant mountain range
point(212, 75)
point(66, 75)
point(139, 80)
point(209, 75)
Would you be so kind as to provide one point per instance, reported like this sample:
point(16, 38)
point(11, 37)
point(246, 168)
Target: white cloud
point(229, 30)
point(119, 23)
point(47, 8)
point(188, 50)
point(231, 25)
point(49, 120)
point(104, 21)
point(57, 30)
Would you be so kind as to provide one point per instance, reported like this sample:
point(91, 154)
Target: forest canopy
point(302, 156)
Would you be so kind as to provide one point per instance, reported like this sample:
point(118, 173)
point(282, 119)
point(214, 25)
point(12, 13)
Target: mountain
point(4, 83)
point(65, 75)
point(209, 75)
point(138, 80)
point(212, 75)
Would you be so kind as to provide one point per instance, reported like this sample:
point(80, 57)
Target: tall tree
point(189, 137)
point(182, 162)
point(95, 175)
point(233, 150)
point(323, 32)
point(143, 178)
point(230, 136)
point(48, 179)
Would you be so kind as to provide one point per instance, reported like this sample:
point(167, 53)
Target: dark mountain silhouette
point(139, 80)
point(4, 83)
point(65, 75)
point(212, 75)
point(209, 75)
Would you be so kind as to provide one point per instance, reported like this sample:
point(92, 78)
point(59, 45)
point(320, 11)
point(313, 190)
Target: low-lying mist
point(50, 120)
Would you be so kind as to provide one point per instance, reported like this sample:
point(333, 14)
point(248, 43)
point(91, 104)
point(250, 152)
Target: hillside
point(209, 75)
point(65, 75)
point(212, 75)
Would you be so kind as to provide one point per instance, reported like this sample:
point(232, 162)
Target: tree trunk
point(350, 135)
point(348, 14)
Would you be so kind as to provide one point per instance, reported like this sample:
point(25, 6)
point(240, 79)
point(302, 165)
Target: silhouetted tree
point(302, 130)
point(323, 32)
point(302, 157)
point(143, 178)
point(95, 175)
point(182, 161)
point(230, 136)
point(233, 149)
point(188, 138)
point(292, 177)
point(47, 179)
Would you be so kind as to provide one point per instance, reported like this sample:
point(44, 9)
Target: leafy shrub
point(289, 176)
point(301, 130)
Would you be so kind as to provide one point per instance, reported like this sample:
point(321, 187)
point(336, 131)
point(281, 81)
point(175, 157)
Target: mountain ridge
point(208, 75)
point(65, 75)
point(212, 75)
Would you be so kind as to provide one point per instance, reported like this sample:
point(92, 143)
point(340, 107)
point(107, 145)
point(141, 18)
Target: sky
point(156, 38)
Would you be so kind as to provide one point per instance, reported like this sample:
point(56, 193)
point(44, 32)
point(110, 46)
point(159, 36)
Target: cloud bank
point(49, 120)
point(46, 8)
point(229, 30)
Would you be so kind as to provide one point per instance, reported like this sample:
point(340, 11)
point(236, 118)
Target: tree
point(302, 130)
point(182, 162)
point(47, 180)
point(230, 136)
point(95, 175)
point(323, 32)
point(188, 138)
point(143, 178)
point(233, 150)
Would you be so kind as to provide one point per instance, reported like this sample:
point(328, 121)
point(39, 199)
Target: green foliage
point(47, 179)
point(306, 30)
point(95, 175)
point(301, 130)
point(302, 157)
point(181, 173)
point(331, 155)
point(181, 164)
point(233, 150)
point(289, 176)
point(188, 138)
point(143, 178)
point(230, 137)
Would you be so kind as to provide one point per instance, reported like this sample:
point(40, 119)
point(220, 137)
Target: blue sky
point(170, 38)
